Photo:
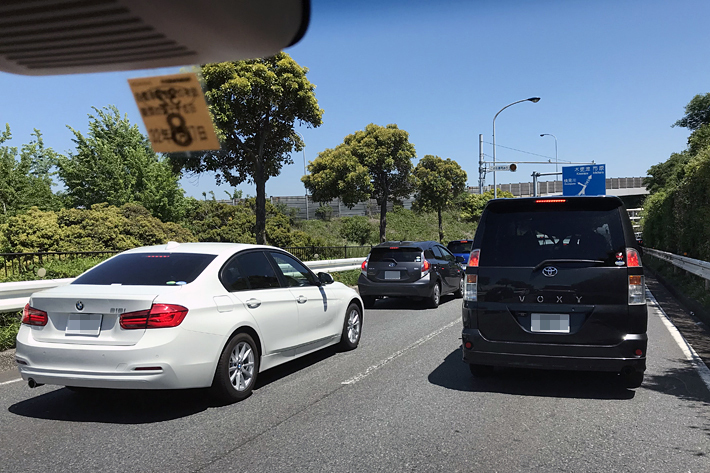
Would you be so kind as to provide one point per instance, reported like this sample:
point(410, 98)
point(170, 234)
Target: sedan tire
point(237, 369)
point(352, 328)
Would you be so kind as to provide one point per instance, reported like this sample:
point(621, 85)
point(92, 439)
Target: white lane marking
point(399, 353)
point(11, 381)
point(685, 347)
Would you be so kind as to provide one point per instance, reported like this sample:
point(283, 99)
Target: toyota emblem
point(549, 271)
point(79, 305)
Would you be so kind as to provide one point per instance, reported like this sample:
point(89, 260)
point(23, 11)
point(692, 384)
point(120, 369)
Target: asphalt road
point(403, 401)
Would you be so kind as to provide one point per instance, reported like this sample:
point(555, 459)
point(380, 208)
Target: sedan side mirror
point(325, 278)
point(460, 259)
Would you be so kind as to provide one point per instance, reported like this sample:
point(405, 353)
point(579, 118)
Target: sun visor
point(47, 37)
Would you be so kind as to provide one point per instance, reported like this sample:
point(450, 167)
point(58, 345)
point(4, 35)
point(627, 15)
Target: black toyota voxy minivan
point(556, 283)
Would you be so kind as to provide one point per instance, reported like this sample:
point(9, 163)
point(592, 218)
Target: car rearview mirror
point(123, 35)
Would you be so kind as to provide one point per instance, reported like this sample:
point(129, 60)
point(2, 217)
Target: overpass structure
point(630, 189)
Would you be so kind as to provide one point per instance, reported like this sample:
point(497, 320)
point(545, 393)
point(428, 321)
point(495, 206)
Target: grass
point(349, 278)
point(9, 325)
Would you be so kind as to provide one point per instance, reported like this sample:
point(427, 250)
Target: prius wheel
point(435, 298)
point(237, 369)
point(352, 328)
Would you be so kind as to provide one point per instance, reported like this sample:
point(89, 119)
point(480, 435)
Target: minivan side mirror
point(460, 259)
point(325, 278)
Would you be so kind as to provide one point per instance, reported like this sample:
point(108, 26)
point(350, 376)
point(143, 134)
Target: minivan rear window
point(148, 269)
point(527, 238)
point(397, 255)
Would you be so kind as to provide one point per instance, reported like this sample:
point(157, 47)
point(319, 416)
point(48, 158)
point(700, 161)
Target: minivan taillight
point(632, 258)
point(363, 267)
point(474, 257)
point(470, 291)
point(637, 290)
point(158, 316)
point(32, 316)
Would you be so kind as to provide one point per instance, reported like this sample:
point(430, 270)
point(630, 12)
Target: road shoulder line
point(686, 348)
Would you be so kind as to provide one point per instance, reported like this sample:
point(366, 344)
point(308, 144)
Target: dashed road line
point(399, 353)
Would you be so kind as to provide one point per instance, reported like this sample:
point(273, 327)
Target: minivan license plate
point(83, 324)
point(391, 274)
point(556, 323)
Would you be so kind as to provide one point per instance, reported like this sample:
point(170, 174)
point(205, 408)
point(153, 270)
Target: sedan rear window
point(397, 255)
point(527, 238)
point(148, 269)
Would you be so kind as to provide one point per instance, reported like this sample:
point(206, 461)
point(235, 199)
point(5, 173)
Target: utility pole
point(481, 169)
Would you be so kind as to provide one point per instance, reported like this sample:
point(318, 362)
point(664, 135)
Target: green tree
point(115, 164)
point(255, 105)
point(25, 177)
point(439, 183)
point(473, 204)
point(668, 173)
point(697, 113)
point(375, 163)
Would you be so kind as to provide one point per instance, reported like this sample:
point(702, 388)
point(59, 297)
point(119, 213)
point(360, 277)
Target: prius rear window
point(396, 255)
point(148, 269)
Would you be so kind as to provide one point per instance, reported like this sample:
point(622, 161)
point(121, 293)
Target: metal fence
point(15, 264)
point(314, 253)
point(694, 266)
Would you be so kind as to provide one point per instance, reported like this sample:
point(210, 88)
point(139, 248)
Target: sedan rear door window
point(258, 270)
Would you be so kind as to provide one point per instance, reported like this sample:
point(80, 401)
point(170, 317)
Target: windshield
point(148, 269)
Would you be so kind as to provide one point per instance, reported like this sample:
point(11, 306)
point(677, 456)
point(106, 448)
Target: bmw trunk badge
point(549, 271)
point(79, 305)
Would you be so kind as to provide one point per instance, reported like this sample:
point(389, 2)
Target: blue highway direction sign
point(589, 179)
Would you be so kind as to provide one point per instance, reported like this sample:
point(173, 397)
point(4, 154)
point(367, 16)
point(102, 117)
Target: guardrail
point(14, 295)
point(695, 266)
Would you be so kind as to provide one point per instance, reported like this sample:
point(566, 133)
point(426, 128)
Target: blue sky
point(613, 76)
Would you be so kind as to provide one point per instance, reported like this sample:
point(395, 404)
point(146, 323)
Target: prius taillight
point(158, 316)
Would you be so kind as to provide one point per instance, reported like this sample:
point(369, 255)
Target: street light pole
point(304, 167)
point(531, 99)
point(550, 134)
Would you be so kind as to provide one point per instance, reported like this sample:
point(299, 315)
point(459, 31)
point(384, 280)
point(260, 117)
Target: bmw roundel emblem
point(549, 271)
point(392, 265)
point(79, 305)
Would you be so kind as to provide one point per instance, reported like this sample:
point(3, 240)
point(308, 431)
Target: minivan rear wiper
point(553, 261)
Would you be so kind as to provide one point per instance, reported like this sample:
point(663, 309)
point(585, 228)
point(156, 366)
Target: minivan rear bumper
point(555, 356)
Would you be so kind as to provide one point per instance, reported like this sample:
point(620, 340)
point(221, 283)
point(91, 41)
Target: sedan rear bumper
point(184, 360)
point(612, 358)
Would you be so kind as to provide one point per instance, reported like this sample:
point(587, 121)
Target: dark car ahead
point(556, 283)
point(460, 248)
point(419, 269)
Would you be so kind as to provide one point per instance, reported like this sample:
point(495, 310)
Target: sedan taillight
point(32, 316)
point(158, 316)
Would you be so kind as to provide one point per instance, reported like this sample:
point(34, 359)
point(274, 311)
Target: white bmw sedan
point(184, 316)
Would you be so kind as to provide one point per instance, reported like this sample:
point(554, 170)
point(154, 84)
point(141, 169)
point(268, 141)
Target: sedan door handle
point(301, 299)
point(253, 303)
